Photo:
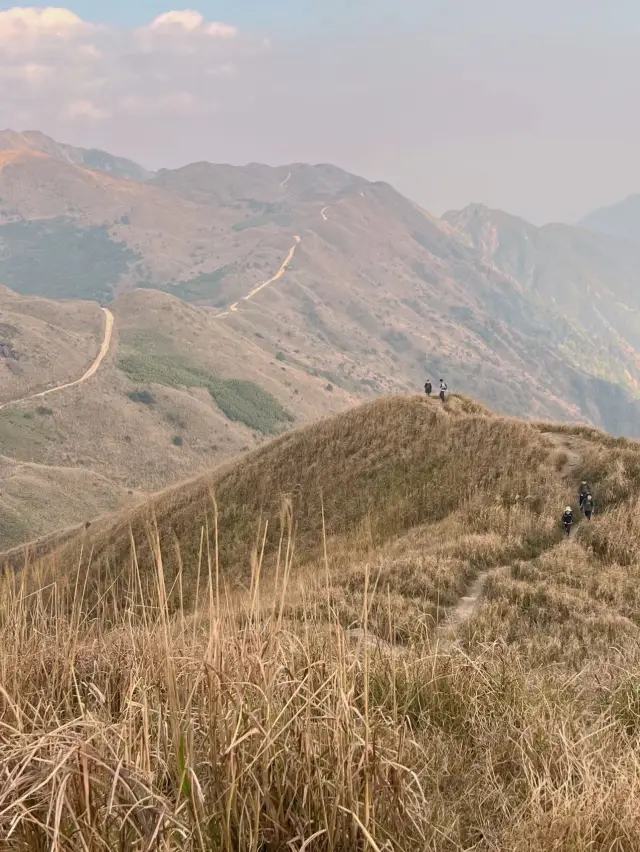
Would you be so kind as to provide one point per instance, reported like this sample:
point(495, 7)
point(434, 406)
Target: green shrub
point(144, 397)
point(44, 411)
point(280, 356)
point(54, 258)
point(177, 441)
point(241, 401)
point(245, 402)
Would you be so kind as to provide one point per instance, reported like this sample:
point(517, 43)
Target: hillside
point(177, 393)
point(375, 626)
point(586, 285)
point(247, 300)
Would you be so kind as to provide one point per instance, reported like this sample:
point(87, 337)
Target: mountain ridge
point(251, 299)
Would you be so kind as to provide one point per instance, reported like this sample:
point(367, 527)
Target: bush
point(247, 403)
point(239, 400)
point(329, 387)
point(143, 397)
point(177, 441)
point(44, 411)
point(280, 356)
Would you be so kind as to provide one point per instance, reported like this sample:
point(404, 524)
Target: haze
point(525, 107)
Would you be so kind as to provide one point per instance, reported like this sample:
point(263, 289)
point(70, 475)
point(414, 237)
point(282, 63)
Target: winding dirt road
point(264, 284)
point(93, 369)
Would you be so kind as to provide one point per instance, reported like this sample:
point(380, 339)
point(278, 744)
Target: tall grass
point(222, 704)
point(246, 724)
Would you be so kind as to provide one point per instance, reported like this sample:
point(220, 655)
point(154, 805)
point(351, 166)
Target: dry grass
point(133, 718)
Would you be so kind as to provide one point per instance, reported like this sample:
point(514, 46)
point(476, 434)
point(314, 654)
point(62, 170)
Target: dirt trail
point(264, 284)
point(93, 369)
point(571, 446)
point(467, 606)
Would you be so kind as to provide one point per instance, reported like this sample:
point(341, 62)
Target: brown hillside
point(46, 342)
point(440, 671)
point(147, 418)
point(383, 468)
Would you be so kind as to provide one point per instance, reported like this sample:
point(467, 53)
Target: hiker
point(443, 388)
point(587, 507)
point(428, 387)
point(584, 490)
point(567, 520)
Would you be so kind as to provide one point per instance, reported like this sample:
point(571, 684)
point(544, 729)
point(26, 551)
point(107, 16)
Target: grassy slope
point(214, 395)
point(248, 720)
point(52, 340)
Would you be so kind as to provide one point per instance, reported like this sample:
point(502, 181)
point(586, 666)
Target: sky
point(526, 106)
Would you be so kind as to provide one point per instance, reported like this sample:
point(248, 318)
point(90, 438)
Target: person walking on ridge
point(567, 520)
point(587, 507)
point(584, 490)
point(443, 389)
point(428, 387)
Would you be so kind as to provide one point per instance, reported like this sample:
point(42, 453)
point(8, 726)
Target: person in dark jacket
point(587, 507)
point(428, 387)
point(567, 520)
point(584, 490)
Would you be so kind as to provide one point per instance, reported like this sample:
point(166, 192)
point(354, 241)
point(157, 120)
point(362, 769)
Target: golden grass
point(245, 719)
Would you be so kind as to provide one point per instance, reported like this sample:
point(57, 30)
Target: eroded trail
point(465, 608)
point(264, 284)
point(93, 369)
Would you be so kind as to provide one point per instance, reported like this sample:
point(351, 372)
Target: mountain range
point(250, 299)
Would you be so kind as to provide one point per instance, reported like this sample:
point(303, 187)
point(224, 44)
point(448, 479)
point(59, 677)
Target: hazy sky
point(528, 106)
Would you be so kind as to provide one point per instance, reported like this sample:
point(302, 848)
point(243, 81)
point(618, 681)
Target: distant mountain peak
point(34, 141)
point(621, 220)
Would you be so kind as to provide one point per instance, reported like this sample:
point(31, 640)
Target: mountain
point(586, 285)
point(92, 158)
point(247, 300)
point(369, 633)
point(621, 220)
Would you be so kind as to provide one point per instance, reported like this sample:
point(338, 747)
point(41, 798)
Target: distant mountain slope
point(179, 392)
point(586, 283)
point(376, 295)
point(620, 220)
point(92, 158)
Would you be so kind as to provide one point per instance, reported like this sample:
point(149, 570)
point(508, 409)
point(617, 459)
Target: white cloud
point(186, 20)
point(25, 29)
point(86, 109)
point(55, 67)
point(192, 22)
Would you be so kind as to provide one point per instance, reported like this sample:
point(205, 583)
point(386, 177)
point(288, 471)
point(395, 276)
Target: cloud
point(192, 22)
point(57, 68)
